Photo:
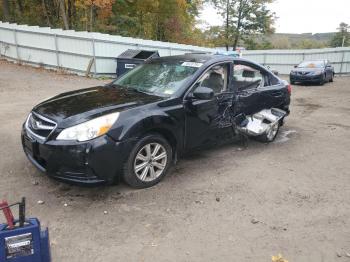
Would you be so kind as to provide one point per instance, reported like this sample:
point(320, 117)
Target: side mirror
point(203, 93)
point(295, 66)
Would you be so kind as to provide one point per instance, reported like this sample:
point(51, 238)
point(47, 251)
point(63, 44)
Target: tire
point(332, 78)
point(269, 137)
point(144, 158)
point(323, 81)
point(292, 82)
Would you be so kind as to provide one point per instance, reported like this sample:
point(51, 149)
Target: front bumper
point(306, 78)
point(96, 161)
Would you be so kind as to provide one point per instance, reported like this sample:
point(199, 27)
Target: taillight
point(289, 88)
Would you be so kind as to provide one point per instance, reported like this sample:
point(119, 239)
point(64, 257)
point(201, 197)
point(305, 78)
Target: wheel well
point(168, 136)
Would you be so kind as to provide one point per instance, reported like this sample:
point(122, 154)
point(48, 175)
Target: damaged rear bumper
point(261, 122)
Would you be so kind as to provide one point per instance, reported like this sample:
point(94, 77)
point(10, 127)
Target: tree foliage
point(244, 18)
point(244, 22)
point(342, 38)
point(164, 20)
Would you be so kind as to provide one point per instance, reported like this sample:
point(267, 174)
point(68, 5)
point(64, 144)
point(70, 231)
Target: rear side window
point(273, 80)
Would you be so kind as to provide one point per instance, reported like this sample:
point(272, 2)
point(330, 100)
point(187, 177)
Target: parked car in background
point(315, 71)
point(135, 127)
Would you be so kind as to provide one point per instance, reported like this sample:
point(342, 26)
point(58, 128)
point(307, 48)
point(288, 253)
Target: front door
point(202, 117)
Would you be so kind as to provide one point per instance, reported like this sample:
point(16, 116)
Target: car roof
point(200, 58)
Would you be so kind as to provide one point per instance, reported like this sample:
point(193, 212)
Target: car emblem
point(35, 124)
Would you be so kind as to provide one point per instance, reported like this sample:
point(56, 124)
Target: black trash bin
point(131, 58)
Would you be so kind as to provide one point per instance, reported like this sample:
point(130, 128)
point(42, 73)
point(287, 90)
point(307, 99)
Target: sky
point(298, 16)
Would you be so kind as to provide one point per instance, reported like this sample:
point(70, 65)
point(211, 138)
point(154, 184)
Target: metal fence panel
point(37, 56)
point(73, 51)
point(284, 60)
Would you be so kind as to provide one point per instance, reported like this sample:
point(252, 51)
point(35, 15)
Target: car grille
point(303, 73)
point(40, 126)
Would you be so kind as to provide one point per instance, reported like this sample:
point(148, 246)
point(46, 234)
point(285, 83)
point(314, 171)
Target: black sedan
point(317, 72)
point(135, 127)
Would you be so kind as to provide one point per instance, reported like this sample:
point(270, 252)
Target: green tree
point(342, 38)
point(244, 18)
point(308, 44)
point(251, 43)
point(6, 10)
point(163, 20)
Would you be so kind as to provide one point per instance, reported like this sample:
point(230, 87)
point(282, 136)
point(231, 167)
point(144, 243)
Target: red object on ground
point(8, 214)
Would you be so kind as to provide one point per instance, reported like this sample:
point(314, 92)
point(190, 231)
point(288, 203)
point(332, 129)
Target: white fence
point(73, 51)
point(284, 60)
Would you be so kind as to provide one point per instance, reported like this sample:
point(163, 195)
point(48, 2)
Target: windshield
point(311, 64)
point(159, 78)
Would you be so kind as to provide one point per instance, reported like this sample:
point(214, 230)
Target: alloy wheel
point(272, 132)
point(150, 162)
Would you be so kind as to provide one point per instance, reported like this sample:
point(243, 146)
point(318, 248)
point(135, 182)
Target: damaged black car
point(134, 128)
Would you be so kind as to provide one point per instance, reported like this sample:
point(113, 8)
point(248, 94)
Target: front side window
point(158, 77)
point(246, 77)
point(215, 78)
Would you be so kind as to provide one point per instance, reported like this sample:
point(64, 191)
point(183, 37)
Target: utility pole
point(343, 43)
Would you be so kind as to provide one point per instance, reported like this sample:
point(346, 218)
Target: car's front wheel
point(323, 80)
point(148, 162)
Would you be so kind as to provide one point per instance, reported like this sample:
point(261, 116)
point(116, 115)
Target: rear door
point(274, 92)
point(257, 88)
point(246, 81)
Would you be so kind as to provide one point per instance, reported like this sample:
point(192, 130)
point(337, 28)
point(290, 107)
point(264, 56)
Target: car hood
point(84, 104)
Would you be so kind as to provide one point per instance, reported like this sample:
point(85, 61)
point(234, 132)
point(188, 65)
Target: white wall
point(284, 60)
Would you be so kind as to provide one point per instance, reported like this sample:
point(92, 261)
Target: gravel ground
point(231, 203)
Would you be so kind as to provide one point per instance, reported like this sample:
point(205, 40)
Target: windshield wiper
point(140, 90)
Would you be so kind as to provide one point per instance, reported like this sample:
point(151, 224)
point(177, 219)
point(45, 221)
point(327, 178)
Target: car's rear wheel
point(148, 162)
point(270, 135)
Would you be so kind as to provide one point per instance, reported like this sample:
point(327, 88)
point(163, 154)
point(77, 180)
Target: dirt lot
point(231, 203)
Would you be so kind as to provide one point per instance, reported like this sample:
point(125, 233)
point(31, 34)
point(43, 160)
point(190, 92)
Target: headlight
point(90, 129)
